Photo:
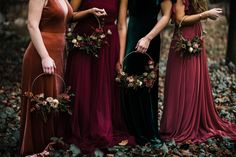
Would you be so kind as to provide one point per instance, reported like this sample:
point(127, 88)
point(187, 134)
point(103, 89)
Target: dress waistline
point(49, 32)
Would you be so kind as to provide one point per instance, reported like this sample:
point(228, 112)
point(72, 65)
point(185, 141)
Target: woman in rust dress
point(47, 25)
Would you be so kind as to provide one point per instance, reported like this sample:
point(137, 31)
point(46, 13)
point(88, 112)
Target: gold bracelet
point(200, 16)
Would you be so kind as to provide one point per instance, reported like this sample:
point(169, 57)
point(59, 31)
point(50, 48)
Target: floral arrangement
point(147, 79)
point(46, 105)
point(189, 47)
point(90, 44)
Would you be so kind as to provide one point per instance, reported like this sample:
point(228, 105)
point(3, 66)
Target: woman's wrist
point(203, 15)
point(120, 60)
point(148, 38)
point(200, 16)
point(44, 57)
point(90, 11)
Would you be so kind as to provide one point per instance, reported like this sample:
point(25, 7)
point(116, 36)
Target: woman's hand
point(214, 13)
point(48, 65)
point(98, 12)
point(143, 45)
point(119, 67)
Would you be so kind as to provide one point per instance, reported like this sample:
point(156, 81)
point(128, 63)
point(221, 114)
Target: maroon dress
point(96, 115)
point(189, 111)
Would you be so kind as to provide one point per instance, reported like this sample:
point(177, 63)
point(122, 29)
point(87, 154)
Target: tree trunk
point(231, 47)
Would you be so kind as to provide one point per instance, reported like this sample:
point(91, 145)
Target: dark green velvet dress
point(140, 105)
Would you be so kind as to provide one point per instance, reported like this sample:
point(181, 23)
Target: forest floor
point(223, 79)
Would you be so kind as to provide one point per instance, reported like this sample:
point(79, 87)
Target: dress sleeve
point(185, 2)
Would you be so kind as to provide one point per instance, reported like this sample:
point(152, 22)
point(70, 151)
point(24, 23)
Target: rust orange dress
point(35, 134)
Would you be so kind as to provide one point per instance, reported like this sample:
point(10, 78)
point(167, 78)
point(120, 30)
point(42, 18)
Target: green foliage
point(98, 153)
point(58, 148)
point(75, 150)
point(223, 79)
point(9, 126)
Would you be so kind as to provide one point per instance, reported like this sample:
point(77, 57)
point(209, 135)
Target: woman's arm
point(122, 30)
point(191, 19)
point(144, 42)
point(75, 4)
point(34, 17)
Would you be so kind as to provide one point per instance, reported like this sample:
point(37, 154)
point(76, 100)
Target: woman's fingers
point(54, 65)
point(104, 12)
point(219, 9)
point(214, 13)
point(141, 49)
point(52, 70)
point(46, 70)
point(99, 12)
point(48, 65)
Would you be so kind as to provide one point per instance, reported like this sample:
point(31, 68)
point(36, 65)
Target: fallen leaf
point(123, 142)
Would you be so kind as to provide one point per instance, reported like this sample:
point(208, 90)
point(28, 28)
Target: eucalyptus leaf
point(98, 153)
point(75, 150)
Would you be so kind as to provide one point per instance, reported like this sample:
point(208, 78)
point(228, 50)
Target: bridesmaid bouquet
point(189, 47)
point(147, 79)
point(47, 105)
point(90, 44)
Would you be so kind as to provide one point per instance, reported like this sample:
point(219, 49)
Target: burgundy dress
point(96, 115)
point(35, 134)
point(189, 111)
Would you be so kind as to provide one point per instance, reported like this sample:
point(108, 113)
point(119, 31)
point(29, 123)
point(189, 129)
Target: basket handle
point(99, 23)
point(43, 74)
point(180, 24)
point(136, 52)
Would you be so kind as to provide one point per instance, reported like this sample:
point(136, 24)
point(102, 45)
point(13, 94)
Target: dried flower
point(151, 66)
point(102, 36)
point(145, 74)
point(122, 73)
point(49, 99)
point(69, 30)
point(55, 101)
point(69, 34)
point(44, 103)
point(74, 41)
point(117, 79)
point(195, 45)
point(99, 30)
point(151, 62)
point(109, 32)
point(41, 95)
point(153, 75)
point(79, 38)
point(93, 37)
point(139, 82)
point(190, 49)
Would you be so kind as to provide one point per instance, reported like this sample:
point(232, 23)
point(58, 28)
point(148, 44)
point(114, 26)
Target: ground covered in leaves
point(223, 78)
